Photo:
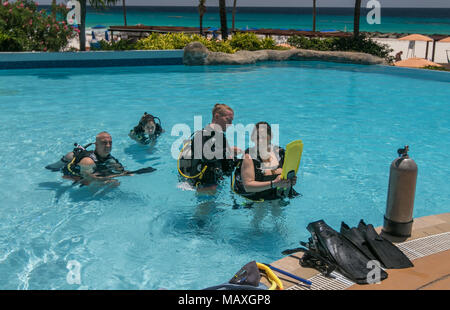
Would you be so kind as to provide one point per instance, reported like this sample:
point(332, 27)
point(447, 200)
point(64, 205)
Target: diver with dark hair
point(258, 174)
point(148, 129)
point(207, 157)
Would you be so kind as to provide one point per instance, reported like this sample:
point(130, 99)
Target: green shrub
point(9, 44)
point(361, 43)
point(250, 42)
point(364, 44)
point(157, 41)
point(311, 43)
point(121, 45)
point(30, 30)
point(436, 68)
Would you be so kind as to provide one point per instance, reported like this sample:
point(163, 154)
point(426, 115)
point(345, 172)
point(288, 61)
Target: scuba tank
point(188, 167)
point(196, 168)
point(398, 219)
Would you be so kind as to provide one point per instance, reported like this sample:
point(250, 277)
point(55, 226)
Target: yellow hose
point(276, 282)
point(200, 174)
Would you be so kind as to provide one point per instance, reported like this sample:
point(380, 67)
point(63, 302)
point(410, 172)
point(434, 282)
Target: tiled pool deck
point(428, 248)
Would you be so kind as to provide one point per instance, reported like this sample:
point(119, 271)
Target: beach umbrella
point(415, 63)
point(412, 38)
point(416, 37)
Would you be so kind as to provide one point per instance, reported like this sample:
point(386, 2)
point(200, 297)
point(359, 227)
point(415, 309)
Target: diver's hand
point(279, 182)
point(293, 181)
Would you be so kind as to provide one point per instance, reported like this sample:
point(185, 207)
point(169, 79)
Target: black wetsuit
point(215, 163)
point(138, 134)
point(268, 194)
point(104, 166)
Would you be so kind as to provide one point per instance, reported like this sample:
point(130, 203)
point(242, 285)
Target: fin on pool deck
point(428, 248)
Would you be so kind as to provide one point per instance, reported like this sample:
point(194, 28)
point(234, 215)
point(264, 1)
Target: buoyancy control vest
point(103, 165)
point(237, 183)
point(200, 168)
point(138, 134)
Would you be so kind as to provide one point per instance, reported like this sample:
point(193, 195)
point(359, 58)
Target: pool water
point(150, 233)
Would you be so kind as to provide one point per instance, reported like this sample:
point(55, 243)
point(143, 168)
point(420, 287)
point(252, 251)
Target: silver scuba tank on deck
point(398, 219)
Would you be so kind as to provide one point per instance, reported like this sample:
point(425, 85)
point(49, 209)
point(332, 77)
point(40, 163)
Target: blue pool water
point(149, 233)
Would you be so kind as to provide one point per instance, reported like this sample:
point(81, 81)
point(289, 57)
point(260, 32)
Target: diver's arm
point(87, 166)
point(252, 186)
point(135, 137)
point(248, 177)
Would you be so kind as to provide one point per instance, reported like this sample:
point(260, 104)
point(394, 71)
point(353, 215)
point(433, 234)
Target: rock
point(196, 54)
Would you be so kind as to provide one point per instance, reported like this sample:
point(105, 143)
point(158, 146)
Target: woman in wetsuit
point(258, 177)
point(148, 129)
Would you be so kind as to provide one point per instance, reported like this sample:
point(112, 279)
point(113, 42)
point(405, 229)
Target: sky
point(288, 3)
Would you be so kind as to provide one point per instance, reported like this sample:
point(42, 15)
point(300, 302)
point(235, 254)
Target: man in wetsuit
point(94, 166)
point(210, 144)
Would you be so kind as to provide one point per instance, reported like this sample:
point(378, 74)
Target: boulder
point(196, 54)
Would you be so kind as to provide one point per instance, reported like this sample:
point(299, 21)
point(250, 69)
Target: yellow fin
point(292, 158)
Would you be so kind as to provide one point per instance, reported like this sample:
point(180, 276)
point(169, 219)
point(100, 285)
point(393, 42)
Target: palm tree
point(54, 8)
point(357, 17)
point(201, 12)
point(314, 15)
point(96, 4)
point(223, 19)
point(124, 13)
point(234, 14)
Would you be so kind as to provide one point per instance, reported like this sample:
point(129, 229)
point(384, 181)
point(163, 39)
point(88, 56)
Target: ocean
point(400, 20)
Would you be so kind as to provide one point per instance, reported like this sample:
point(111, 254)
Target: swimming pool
point(149, 233)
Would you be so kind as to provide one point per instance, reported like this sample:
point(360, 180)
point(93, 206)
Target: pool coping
point(426, 226)
point(35, 60)
point(43, 60)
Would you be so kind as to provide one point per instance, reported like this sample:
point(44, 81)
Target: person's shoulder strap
point(281, 154)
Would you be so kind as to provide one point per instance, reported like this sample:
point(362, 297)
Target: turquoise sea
point(427, 21)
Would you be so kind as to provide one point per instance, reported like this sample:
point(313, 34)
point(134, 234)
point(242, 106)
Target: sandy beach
point(442, 50)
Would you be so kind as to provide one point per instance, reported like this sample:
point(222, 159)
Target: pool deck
point(429, 272)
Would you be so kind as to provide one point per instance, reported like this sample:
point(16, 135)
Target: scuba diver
point(147, 130)
point(84, 167)
point(258, 174)
point(207, 157)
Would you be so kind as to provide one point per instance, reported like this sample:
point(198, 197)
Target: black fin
point(356, 237)
point(57, 166)
point(389, 255)
point(143, 170)
point(349, 261)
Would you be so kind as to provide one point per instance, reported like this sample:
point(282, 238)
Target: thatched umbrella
point(417, 37)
